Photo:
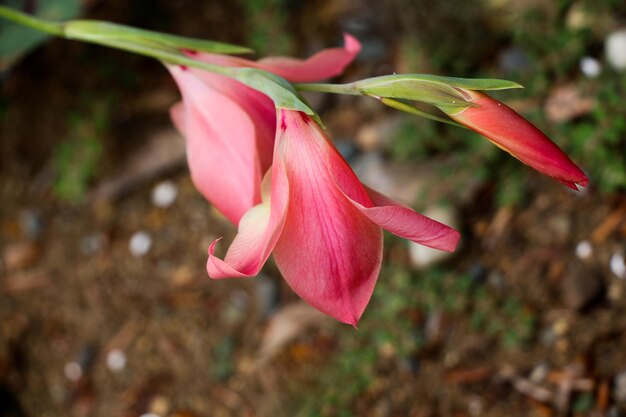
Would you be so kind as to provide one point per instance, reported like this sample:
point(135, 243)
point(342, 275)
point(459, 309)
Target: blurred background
point(105, 306)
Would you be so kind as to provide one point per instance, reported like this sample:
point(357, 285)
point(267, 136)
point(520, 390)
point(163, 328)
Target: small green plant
point(267, 20)
point(76, 159)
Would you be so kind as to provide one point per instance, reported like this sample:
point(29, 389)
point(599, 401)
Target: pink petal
point(259, 229)
point(257, 105)
point(177, 114)
point(408, 224)
point(221, 145)
point(514, 134)
point(324, 64)
point(328, 252)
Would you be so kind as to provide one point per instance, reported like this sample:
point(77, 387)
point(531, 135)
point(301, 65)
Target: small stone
point(618, 266)
point(539, 373)
point(140, 244)
point(584, 250)
point(116, 360)
point(615, 49)
point(560, 327)
point(475, 407)
point(159, 405)
point(73, 371)
point(590, 67)
point(580, 286)
point(164, 194)
point(619, 390)
point(149, 415)
point(423, 256)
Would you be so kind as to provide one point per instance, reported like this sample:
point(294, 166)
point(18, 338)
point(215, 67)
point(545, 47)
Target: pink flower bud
point(516, 135)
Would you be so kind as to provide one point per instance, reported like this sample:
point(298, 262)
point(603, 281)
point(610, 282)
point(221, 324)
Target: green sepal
point(102, 32)
point(443, 92)
point(277, 88)
point(407, 108)
point(478, 84)
point(407, 87)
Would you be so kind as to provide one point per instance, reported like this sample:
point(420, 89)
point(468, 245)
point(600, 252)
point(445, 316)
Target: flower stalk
point(52, 28)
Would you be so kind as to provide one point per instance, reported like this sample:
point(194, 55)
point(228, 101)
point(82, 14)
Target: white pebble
point(140, 243)
point(615, 49)
point(73, 371)
point(584, 249)
point(164, 194)
point(149, 415)
point(116, 360)
point(618, 266)
point(590, 67)
point(422, 256)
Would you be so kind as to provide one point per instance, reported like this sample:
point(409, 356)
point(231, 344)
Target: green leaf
point(97, 30)
point(278, 89)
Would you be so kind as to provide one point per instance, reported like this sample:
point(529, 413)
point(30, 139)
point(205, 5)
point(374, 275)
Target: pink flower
point(516, 135)
point(229, 127)
point(323, 226)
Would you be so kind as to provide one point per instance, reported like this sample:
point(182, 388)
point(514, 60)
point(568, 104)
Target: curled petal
point(408, 224)
point(324, 64)
point(259, 230)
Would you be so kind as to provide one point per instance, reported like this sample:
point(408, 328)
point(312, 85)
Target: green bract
point(277, 88)
point(104, 32)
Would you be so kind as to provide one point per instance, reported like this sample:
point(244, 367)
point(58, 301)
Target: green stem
point(162, 53)
point(346, 89)
point(13, 15)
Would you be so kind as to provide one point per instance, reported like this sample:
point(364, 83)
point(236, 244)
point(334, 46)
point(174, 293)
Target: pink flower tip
point(516, 135)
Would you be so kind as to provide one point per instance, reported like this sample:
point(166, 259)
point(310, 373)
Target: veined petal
point(514, 134)
point(221, 146)
point(324, 64)
point(408, 224)
point(328, 252)
point(383, 211)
